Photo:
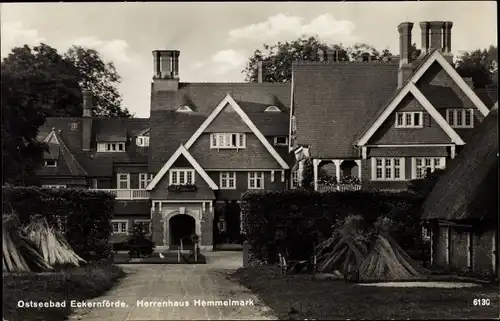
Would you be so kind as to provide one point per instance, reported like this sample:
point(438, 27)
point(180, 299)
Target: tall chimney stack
point(424, 27)
point(405, 67)
point(436, 35)
point(87, 119)
point(166, 70)
point(447, 53)
point(260, 76)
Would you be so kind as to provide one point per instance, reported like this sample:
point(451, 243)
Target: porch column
point(452, 152)
point(337, 163)
point(166, 226)
point(315, 170)
point(358, 163)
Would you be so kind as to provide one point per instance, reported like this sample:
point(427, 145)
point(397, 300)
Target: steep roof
point(468, 188)
point(69, 131)
point(333, 102)
point(203, 98)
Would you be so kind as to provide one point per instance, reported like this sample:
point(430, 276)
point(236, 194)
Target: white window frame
point(225, 140)
point(184, 109)
point(53, 186)
point(272, 109)
point(144, 180)
point(111, 147)
point(120, 180)
point(409, 122)
point(120, 230)
point(226, 178)
point(295, 179)
point(255, 177)
point(73, 126)
point(392, 166)
point(419, 165)
point(452, 117)
point(175, 176)
point(276, 143)
point(50, 165)
point(142, 141)
point(145, 221)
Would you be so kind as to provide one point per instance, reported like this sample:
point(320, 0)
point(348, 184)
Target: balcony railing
point(127, 194)
point(338, 187)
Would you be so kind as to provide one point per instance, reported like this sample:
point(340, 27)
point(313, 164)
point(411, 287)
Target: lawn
point(68, 284)
point(302, 297)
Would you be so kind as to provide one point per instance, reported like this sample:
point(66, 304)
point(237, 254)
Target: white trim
point(241, 169)
point(53, 186)
point(119, 221)
point(177, 172)
point(118, 180)
point(107, 147)
point(142, 141)
point(257, 176)
point(51, 160)
point(184, 109)
point(392, 166)
point(315, 173)
point(452, 114)
point(145, 178)
point(229, 100)
point(280, 144)
point(411, 88)
point(272, 109)
point(224, 141)
point(178, 201)
point(233, 178)
point(181, 151)
point(144, 132)
point(272, 176)
point(436, 56)
point(404, 116)
point(412, 145)
point(414, 169)
point(282, 176)
point(294, 179)
point(145, 221)
point(50, 136)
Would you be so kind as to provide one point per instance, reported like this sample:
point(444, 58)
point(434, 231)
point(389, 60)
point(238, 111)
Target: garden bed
point(80, 283)
point(168, 258)
point(306, 297)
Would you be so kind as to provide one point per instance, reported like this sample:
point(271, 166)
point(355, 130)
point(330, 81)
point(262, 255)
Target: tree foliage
point(480, 65)
point(39, 82)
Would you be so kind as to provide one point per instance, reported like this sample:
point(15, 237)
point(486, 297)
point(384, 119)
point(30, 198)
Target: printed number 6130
point(481, 302)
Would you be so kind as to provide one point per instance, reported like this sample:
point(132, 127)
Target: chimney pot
point(424, 27)
point(405, 68)
point(447, 39)
point(87, 120)
point(436, 35)
point(87, 103)
point(166, 70)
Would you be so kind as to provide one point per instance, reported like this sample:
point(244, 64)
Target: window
point(460, 118)
point(145, 225)
point(54, 186)
point(111, 147)
point(50, 163)
point(184, 109)
point(226, 140)
point(388, 168)
point(281, 141)
point(73, 126)
point(181, 176)
point(228, 180)
point(144, 179)
point(295, 179)
point(422, 166)
point(123, 181)
point(142, 141)
point(256, 180)
point(119, 227)
point(412, 119)
point(273, 108)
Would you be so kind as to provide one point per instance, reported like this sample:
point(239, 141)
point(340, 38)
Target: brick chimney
point(436, 35)
point(405, 67)
point(447, 41)
point(424, 27)
point(87, 119)
point(166, 70)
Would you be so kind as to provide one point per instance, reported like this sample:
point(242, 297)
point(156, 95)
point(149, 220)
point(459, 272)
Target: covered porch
point(331, 175)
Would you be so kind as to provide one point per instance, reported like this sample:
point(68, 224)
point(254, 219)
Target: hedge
point(84, 215)
point(297, 220)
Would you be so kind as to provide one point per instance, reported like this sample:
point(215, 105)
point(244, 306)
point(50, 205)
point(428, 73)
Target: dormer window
point(281, 141)
point(227, 140)
point(184, 109)
point(142, 141)
point(111, 147)
point(273, 109)
point(50, 163)
point(412, 119)
point(460, 118)
point(73, 127)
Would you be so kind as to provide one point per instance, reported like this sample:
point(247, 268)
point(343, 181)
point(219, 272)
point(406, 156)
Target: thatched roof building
point(468, 189)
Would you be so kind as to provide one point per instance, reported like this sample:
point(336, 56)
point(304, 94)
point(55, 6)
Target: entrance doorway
point(227, 225)
point(181, 227)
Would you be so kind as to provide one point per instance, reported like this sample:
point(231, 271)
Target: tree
point(480, 65)
point(99, 77)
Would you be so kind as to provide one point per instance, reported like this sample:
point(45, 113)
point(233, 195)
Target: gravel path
point(180, 292)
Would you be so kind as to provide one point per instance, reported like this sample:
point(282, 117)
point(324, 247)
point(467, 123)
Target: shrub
point(139, 245)
point(294, 221)
point(84, 216)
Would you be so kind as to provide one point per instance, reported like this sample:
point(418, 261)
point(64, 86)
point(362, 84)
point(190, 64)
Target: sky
point(216, 39)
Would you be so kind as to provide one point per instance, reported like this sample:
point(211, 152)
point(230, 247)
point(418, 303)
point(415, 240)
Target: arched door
point(181, 226)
